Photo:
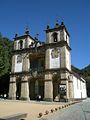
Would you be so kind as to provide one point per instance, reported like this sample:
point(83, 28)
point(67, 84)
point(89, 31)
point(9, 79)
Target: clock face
point(55, 53)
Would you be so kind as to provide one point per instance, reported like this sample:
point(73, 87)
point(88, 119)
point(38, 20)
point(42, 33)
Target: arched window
point(21, 44)
point(55, 37)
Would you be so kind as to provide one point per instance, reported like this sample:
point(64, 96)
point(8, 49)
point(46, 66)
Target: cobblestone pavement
point(79, 111)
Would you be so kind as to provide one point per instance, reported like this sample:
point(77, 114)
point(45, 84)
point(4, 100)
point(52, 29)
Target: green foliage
point(5, 60)
point(5, 55)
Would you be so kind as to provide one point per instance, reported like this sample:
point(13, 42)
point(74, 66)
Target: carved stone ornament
point(55, 53)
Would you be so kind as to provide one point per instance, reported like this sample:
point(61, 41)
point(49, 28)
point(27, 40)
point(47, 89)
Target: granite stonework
point(44, 69)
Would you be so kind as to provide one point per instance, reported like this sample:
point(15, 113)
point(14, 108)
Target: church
point(44, 69)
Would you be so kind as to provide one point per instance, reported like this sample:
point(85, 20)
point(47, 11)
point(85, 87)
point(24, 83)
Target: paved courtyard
point(79, 111)
point(33, 108)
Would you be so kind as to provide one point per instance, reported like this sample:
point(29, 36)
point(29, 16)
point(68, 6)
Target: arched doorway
point(56, 94)
point(41, 89)
point(36, 87)
point(32, 89)
point(18, 88)
point(56, 90)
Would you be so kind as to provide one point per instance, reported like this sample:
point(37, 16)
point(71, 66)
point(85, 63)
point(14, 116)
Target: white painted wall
point(79, 87)
point(18, 66)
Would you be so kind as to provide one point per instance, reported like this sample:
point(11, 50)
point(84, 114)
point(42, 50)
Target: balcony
point(37, 73)
point(37, 52)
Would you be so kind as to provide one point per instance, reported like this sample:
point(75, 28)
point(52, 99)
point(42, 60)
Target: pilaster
point(63, 57)
point(12, 88)
point(24, 88)
point(47, 59)
point(67, 90)
point(24, 81)
point(70, 82)
point(26, 62)
point(48, 88)
point(13, 64)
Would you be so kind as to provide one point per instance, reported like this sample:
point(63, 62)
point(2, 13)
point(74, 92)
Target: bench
point(18, 116)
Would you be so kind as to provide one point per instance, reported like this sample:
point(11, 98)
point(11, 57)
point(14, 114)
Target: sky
point(16, 15)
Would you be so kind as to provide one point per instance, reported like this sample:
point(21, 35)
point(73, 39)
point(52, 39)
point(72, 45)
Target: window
point(54, 37)
point(19, 59)
point(21, 44)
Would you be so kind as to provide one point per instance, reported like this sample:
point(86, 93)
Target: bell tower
point(57, 62)
point(18, 88)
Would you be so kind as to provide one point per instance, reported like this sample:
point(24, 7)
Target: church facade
point(44, 69)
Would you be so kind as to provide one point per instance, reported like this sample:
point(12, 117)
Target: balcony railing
point(37, 73)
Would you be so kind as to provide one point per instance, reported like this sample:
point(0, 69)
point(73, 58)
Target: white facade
point(79, 88)
point(50, 64)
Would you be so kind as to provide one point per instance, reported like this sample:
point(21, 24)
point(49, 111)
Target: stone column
point(63, 57)
point(70, 85)
point(48, 91)
point(26, 63)
point(24, 88)
point(13, 64)
point(67, 90)
point(71, 90)
point(47, 59)
point(12, 88)
point(24, 81)
point(48, 88)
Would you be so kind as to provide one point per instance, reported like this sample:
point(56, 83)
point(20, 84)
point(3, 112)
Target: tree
point(6, 46)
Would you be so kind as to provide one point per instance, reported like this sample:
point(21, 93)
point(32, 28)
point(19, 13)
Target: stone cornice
point(58, 44)
point(28, 74)
point(23, 37)
point(63, 70)
point(28, 50)
point(20, 73)
point(11, 82)
point(60, 27)
point(45, 71)
point(42, 48)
